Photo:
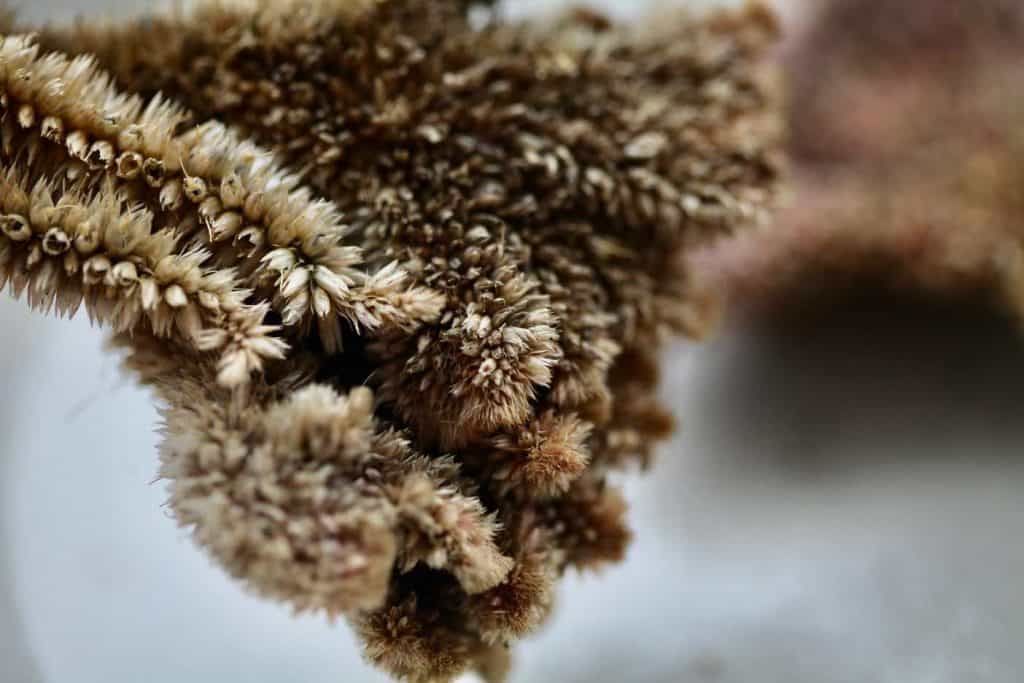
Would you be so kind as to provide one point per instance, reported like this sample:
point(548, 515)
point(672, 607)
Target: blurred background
point(841, 504)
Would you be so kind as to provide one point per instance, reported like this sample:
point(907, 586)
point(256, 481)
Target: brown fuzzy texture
point(907, 156)
point(421, 273)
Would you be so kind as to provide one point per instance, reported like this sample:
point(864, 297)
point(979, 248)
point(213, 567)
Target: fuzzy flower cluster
point(907, 142)
point(398, 280)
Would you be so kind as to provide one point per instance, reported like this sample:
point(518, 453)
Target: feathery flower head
point(398, 281)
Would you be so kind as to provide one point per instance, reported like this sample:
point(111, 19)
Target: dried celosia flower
point(488, 226)
point(908, 159)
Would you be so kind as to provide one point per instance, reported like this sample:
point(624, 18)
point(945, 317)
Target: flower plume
point(398, 282)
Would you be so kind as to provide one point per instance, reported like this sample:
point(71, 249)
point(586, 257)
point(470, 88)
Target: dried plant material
point(908, 159)
point(309, 501)
point(460, 253)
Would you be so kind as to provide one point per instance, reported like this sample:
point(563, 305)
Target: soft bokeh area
point(841, 505)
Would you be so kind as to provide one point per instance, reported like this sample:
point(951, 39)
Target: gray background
point(841, 505)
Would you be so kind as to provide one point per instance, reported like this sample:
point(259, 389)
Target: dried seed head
point(87, 240)
point(170, 195)
point(100, 155)
point(175, 296)
point(149, 293)
point(154, 172)
point(195, 189)
point(95, 270)
point(131, 137)
point(129, 165)
point(53, 129)
point(78, 145)
point(225, 227)
point(125, 274)
point(15, 227)
point(232, 191)
point(209, 209)
point(56, 242)
point(249, 240)
point(26, 116)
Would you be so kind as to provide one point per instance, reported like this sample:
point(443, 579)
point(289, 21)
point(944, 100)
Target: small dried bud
point(87, 240)
point(78, 145)
point(56, 242)
point(95, 270)
point(232, 192)
point(26, 116)
point(195, 189)
point(129, 165)
point(125, 274)
point(53, 129)
point(131, 138)
point(175, 296)
point(225, 226)
point(149, 293)
point(100, 155)
point(170, 195)
point(15, 227)
point(153, 171)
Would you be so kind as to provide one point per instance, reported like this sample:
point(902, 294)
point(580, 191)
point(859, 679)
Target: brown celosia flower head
point(399, 282)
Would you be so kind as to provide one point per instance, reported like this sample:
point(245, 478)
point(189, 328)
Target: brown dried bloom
point(399, 282)
point(907, 159)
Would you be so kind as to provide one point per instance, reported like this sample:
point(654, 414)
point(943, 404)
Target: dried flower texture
point(465, 246)
point(907, 159)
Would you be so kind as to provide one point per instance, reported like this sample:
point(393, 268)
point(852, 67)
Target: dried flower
point(489, 227)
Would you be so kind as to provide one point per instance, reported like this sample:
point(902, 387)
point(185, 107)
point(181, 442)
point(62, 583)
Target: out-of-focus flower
point(908, 159)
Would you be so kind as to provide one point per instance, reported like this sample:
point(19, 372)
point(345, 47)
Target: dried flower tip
point(195, 189)
point(129, 165)
point(26, 116)
point(209, 209)
point(53, 129)
point(154, 172)
point(232, 192)
point(170, 195)
point(88, 238)
point(100, 155)
point(78, 145)
point(149, 293)
point(175, 297)
point(249, 241)
point(15, 227)
point(125, 274)
point(95, 270)
point(56, 242)
point(225, 226)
